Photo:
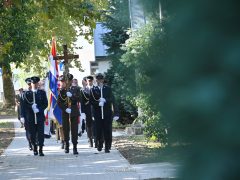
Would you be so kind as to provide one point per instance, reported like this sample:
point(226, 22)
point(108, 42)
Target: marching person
point(81, 122)
point(67, 100)
point(18, 99)
point(102, 101)
point(24, 114)
point(86, 107)
point(36, 102)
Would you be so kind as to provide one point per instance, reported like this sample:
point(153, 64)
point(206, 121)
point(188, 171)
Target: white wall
point(103, 66)
point(86, 54)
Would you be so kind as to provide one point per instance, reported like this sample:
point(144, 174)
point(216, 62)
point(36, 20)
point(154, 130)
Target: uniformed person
point(81, 122)
point(68, 99)
point(25, 116)
point(102, 101)
point(87, 107)
point(18, 99)
point(36, 102)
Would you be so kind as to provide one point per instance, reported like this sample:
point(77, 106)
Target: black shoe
point(30, 147)
point(35, 151)
point(62, 145)
point(99, 146)
point(90, 143)
point(80, 134)
point(67, 147)
point(66, 150)
point(41, 153)
point(75, 151)
point(107, 151)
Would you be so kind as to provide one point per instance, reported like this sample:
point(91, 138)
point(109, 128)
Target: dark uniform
point(24, 115)
point(41, 103)
point(18, 99)
point(103, 125)
point(69, 120)
point(86, 107)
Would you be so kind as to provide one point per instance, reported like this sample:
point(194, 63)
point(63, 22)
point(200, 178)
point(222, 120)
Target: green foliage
point(142, 51)
point(17, 34)
point(119, 77)
point(154, 124)
point(65, 20)
point(195, 84)
point(26, 28)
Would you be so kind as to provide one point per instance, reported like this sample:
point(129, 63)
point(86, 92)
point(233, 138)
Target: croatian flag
point(54, 112)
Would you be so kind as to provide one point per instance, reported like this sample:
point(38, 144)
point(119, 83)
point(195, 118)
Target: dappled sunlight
point(105, 162)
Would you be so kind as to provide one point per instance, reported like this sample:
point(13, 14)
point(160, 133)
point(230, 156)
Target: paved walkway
point(18, 163)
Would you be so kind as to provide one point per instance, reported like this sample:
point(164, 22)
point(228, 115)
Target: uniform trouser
point(73, 124)
point(37, 130)
point(104, 129)
point(19, 112)
point(26, 125)
point(89, 124)
point(60, 135)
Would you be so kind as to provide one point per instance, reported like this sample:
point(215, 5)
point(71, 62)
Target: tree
point(117, 21)
point(195, 83)
point(17, 34)
point(26, 27)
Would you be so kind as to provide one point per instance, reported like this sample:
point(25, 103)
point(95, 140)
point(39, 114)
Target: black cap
point(70, 77)
point(89, 77)
point(28, 80)
point(99, 76)
point(62, 78)
point(35, 79)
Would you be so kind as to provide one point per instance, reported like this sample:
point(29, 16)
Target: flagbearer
point(67, 100)
point(36, 102)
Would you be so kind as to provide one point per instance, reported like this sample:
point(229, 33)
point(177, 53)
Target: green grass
point(116, 125)
point(6, 124)
point(7, 112)
point(138, 150)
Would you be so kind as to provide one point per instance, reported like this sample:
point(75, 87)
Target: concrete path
point(18, 163)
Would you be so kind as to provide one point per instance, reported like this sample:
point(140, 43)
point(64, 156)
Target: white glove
point(34, 106)
point(83, 116)
point(68, 110)
point(101, 104)
point(22, 120)
point(115, 118)
point(69, 94)
point(102, 100)
point(35, 110)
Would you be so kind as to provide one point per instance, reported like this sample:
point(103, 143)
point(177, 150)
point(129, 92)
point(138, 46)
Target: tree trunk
point(8, 88)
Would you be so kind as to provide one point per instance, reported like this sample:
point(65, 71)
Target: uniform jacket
point(63, 101)
point(108, 105)
point(86, 106)
point(40, 100)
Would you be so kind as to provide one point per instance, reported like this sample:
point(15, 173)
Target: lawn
point(6, 134)
point(137, 150)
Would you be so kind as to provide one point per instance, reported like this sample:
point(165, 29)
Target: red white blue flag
point(54, 111)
